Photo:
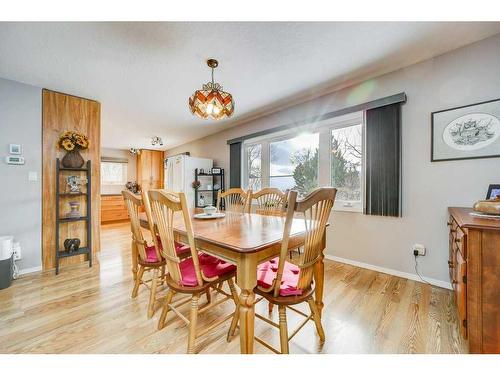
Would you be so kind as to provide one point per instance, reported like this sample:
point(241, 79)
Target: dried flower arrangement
point(69, 140)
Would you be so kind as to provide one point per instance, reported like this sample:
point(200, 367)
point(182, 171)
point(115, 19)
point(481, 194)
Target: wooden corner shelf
point(87, 249)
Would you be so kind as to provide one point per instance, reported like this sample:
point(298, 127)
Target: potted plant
point(73, 142)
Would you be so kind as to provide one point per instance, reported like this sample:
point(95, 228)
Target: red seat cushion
point(211, 267)
point(151, 253)
point(266, 273)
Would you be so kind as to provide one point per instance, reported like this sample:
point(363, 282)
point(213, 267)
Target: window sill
point(348, 209)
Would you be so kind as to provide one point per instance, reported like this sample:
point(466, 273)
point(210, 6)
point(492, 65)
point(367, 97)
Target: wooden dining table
point(245, 240)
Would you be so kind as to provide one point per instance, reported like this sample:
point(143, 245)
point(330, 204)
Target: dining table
point(246, 240)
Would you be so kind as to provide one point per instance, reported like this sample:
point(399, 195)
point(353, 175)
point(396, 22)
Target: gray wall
point(20, 199)
point(464, 76)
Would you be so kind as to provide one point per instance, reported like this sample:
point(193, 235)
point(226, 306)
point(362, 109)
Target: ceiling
point(143, 73)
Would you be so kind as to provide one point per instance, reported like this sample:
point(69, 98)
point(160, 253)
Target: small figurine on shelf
point(201, 201)
point(71, 244)
point(74, 183)
point(196, 184)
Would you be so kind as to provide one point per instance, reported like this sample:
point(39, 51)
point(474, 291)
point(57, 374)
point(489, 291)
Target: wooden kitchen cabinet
point(150, 169)
point(113, 208)
point(474, 264)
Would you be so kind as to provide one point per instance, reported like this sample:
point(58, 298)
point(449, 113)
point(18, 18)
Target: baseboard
point(30, 270)
point(389, 271)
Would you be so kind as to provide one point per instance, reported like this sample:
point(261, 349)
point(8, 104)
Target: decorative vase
point(75, 209)
point(72, 159)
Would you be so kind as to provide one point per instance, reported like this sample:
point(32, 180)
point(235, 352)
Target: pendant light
point(211, 101)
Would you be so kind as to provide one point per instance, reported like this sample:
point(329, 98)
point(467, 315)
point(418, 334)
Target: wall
point(464, 76)
point(131, 168)
point(20, 199)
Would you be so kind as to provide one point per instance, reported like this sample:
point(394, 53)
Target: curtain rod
point(396, 98)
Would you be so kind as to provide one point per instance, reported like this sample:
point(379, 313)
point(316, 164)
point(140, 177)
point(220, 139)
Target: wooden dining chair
point(149, 256)
point(268, 201)
point(192, 276)
point(287, 283)
point(234, 199)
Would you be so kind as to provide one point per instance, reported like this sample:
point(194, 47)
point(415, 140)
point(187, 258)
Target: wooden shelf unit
point(87, 249)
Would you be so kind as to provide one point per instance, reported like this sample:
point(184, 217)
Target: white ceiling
point(143, 73)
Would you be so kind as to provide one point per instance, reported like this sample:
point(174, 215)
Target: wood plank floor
point(90, 311)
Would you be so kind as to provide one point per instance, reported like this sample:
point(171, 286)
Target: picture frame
point(15, 149)
point(493, 191)
point(466, 132)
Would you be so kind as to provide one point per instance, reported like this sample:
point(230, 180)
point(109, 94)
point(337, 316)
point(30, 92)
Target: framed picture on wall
point(493, 191)
point(467, 132)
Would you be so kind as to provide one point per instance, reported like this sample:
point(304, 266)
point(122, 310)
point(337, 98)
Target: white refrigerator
point(179, 174)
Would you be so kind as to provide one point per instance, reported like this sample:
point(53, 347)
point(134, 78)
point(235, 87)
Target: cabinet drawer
point(460, 291)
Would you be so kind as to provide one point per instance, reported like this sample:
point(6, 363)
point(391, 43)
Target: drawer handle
point(457, 240)
point(450, 264)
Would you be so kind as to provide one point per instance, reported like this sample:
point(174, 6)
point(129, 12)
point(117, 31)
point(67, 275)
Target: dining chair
point(268, 201)
point(287, 283)
point(234, 199)
point(149, 256)
point(192, 276)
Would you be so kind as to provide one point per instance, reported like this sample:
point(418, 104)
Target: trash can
point(6, 272)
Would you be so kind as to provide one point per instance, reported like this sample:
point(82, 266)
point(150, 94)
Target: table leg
point(133, 247)
point(319, 278)
point(247, 280)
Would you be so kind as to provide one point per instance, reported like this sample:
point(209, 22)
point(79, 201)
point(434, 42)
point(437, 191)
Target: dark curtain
point(235, 165)
point(383, 161)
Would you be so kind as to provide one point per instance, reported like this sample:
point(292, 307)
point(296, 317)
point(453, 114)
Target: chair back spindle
point(134, 204)
point(234, 199)
point(268, 201)
point(165, 205)
point(315, 210)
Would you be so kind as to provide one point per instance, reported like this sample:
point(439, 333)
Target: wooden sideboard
point(113, 208)
point(474, 265)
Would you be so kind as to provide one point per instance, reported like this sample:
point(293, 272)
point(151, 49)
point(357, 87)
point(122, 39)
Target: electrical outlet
point(418, 250)
point(17, 251)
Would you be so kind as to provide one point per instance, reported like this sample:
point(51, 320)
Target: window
point(329, 153)
point(113, 173)
point(253, 168)
point(345, 163)
point(294, 163)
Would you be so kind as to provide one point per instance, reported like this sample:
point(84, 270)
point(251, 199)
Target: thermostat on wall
point(18, 160)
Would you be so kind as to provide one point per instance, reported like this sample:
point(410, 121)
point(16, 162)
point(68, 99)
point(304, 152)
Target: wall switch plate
point(418, 249)
point(32, 176)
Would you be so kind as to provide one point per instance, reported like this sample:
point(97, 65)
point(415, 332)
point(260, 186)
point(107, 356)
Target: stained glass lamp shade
point(211, 101)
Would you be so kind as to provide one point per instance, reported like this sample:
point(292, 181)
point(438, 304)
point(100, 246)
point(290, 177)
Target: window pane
point(254, 170)
point(346, 156)
point(294, 163)
point(113, 173)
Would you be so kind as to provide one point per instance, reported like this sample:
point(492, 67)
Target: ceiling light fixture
point(156, 141)
point(211, 101)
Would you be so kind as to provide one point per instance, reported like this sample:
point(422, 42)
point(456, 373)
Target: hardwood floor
point(90, 311)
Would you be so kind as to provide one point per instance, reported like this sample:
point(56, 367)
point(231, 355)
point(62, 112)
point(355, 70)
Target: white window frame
point(324, 129)
point(124, 174)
